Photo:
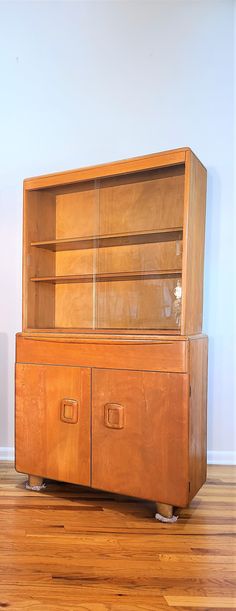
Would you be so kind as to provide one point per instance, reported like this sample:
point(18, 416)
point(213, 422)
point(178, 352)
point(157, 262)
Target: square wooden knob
point(114, 416)
point(69, 411)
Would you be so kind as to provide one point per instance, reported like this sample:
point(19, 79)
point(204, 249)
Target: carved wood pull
point(114, 416)
point(69, 411)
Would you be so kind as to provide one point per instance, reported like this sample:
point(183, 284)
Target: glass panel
point(77, 218)
point(139, 259)
point(107, 254)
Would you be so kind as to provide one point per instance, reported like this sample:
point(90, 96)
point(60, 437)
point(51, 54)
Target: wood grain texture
point(198, 357)
point(115, 239)
point(193, 245)
point(163, 355)
point(142, 202)
point(139, 304)
point(72, 549)
point(122, 202)
point(45, 445)
point(136, 164)
point(148, 457)
point(39, 221)
point(119, 286)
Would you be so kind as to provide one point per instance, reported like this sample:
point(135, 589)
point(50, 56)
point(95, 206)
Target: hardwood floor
point(68, 548)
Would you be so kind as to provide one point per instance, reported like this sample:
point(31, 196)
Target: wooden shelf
point(115, 239)
point(109, 276)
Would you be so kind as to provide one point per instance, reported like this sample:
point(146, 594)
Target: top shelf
point(114, 239)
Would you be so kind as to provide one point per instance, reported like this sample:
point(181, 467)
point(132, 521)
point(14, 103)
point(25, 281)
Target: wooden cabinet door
point(140, 434)
point(53, 422)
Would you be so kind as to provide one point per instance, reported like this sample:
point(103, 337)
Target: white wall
point(87, 82)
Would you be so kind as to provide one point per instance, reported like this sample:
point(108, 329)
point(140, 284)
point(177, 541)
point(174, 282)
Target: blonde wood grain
point(160, 256)
point(69, 548)
point(202, 602)
point(174, 157)
point(160, 192)
point(95, 335)
point(146, 458)
point(136, 304)
point(45, 445)
point(77, 214)
point(198, 357)
point(112, 239)
point(115, 283)
point(193, 245)
point(141, 203)
point(39, 221)
point(74, 305)
point(153, 273)
point(163, 355)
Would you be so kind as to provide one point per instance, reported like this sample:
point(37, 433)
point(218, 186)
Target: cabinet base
point(35, 483)
point(165, 513)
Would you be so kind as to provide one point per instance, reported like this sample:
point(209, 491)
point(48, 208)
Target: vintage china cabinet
point(111, 369)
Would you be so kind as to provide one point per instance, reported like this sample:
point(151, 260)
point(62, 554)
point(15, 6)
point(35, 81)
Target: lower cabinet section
point(136, 430)
point(53, 422)
point(140, 434)
point(129, 431)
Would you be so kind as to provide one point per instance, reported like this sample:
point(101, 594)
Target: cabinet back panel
point(150, 200)
point(136, 257)
point(77, 213)
point(130, 304)
point(144, 205)
point(76, 262)
point(140, 257)
point(136, 304)
point(74, 305)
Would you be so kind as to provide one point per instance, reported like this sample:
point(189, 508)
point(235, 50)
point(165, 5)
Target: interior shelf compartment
point(109, 276)
point(113, 239)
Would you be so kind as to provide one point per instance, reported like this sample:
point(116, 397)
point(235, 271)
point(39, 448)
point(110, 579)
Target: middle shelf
point(113, 239)
point(110, 276)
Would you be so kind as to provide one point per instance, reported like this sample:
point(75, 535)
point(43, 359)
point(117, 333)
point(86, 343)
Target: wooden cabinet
point(112, 307)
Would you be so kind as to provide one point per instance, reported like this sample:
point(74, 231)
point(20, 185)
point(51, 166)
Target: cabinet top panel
point(135, 164)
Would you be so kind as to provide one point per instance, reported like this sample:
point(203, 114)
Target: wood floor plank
point(206, 602)
point(70, 548)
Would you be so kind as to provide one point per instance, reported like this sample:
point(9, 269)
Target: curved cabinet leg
point(35, 483)
point(165, 513)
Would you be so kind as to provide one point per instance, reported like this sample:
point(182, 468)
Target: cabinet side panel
point(39, 223)
point(198, 414)
point(193, 245)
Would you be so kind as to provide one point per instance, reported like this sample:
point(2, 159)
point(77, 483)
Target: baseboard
point(213, 456)
point(221, 458)
point(7, 453)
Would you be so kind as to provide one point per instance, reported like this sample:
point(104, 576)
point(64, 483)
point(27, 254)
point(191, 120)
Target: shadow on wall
point(4, 389)
point(211, 284)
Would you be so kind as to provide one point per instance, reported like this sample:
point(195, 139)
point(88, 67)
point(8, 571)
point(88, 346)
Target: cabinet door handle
point(69, 411)
point(114, 416)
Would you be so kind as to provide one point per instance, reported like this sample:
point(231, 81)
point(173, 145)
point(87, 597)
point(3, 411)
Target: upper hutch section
point(116, 247)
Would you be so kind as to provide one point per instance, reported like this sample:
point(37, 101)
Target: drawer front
point(140, 434)
point(53, 422)
point(163, 355)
